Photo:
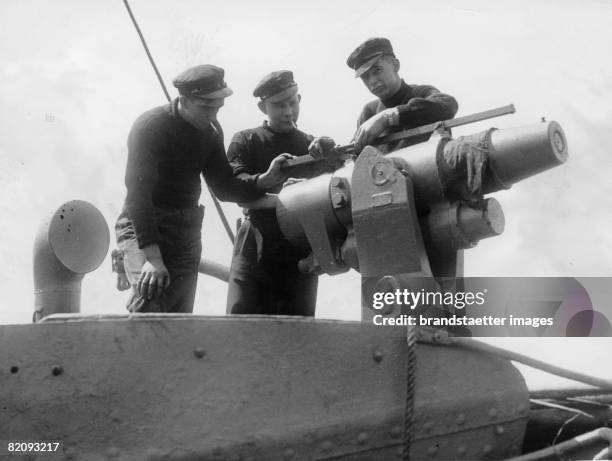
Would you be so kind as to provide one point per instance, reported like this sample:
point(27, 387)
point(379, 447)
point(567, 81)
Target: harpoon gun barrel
point(518, 153)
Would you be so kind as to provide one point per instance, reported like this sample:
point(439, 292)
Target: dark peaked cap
point(366, 54)
point(204, 82)
point(276, 86)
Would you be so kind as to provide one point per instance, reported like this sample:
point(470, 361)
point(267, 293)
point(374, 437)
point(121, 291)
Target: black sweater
point(166, 156)
point(417, 105)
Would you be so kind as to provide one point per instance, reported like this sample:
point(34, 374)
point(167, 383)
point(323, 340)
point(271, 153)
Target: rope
point(411, 340)
point(226, 225)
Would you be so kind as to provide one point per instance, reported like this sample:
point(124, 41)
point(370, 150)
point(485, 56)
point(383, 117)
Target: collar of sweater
point(400, 96)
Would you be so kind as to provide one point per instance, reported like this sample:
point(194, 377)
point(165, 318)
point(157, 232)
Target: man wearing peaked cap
point(398, 106)
point(205, 82)
point(264, 275)
point(366, 54)
point(159, 229)
point(276, 86)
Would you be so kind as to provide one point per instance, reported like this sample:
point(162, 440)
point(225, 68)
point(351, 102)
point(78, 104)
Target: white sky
point(81, 64)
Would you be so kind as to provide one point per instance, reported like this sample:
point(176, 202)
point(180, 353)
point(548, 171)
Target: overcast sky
point(73, 77)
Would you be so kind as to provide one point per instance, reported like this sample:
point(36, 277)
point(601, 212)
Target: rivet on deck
point(199, 352)
point(289, 453)
point(377, 355)
point(395, 432)
point(461, 450)
point(362, 438)
point(499, 429)
point(487, 449)
point(492, 413)
point(461, 419)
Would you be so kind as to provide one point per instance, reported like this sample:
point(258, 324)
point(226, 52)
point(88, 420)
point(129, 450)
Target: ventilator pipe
point(72, 242)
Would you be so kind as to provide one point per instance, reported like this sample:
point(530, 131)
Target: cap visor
point(222, 93)
point(367, 65)
point(286, 93)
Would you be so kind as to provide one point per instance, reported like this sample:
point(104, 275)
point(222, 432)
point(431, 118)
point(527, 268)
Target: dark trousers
point(264, 278)
point(181, 249)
